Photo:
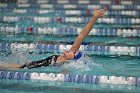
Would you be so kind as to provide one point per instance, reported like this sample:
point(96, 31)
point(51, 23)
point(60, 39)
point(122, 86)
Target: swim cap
point(78, 55)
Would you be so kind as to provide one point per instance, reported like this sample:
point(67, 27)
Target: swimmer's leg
point(10, 67)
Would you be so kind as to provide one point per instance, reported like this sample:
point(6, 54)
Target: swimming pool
point(35, 29)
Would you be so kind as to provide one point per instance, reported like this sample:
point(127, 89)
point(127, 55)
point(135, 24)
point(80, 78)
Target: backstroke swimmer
point(72, 54)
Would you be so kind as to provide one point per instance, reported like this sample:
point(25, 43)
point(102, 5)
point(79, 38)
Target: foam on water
point(16, 57)
point(83, 64)
point(87, 64)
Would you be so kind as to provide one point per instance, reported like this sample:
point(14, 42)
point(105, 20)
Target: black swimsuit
point(50, 61)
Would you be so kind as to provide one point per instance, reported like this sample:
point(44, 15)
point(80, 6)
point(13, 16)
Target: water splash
point(16, 56)
point(81, 65)
point(87, 65)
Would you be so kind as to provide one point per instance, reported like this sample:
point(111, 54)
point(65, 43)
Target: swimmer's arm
point(84, 33)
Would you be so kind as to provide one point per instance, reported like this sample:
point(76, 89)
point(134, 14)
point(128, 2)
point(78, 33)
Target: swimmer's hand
point(99, 12)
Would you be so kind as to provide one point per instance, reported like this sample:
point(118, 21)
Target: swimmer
point(72, 54)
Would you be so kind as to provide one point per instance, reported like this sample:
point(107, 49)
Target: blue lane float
point(69, 6)
point(14, 75)
point(135, 32)
point(85, 4)
point(89, 49)
point(138, 81)
point(93, 79)
point(42, 20)
point(80, 2)
point(81, 78)
point(69, 12)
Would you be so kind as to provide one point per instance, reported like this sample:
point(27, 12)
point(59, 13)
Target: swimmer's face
point(69, 55)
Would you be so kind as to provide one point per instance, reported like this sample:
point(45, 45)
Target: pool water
point(101, 64)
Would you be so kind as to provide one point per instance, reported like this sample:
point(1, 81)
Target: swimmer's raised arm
point(84, 33)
